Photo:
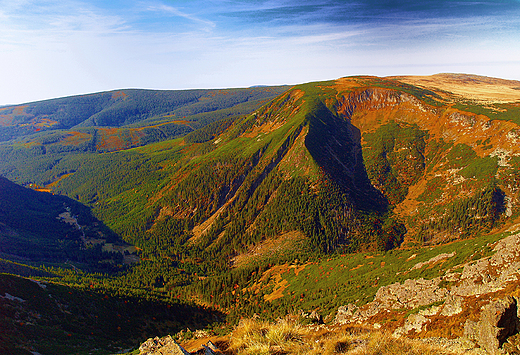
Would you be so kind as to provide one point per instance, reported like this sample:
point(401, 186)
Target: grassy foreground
point(291, 337)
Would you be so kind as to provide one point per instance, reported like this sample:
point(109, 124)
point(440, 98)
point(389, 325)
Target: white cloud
point(63, 47)
point(176, 12)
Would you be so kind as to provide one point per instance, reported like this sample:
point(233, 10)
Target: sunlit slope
point(262, 176)
point(469, 87)
point(127, 107)
point(360, 163)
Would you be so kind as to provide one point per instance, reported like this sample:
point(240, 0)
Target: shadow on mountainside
point(335, 144)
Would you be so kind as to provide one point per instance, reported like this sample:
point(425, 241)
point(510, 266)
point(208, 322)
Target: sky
point(55, 48)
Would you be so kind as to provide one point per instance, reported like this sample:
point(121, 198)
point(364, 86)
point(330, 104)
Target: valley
point(343, 199)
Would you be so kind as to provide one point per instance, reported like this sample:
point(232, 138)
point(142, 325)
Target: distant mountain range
point(217, 187)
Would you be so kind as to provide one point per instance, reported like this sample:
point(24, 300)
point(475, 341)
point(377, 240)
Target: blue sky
point(53, 48)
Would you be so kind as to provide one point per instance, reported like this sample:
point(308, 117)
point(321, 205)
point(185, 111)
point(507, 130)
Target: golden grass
point(289, 337)
point(478, 88)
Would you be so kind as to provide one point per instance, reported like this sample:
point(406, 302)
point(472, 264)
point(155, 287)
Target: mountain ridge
point(324, 177)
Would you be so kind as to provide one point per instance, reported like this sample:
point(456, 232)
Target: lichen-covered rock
point(411, 294)
point(491, 274)
point(452, 306)
point(413, 322)
point(345, 313)
point(498, 321)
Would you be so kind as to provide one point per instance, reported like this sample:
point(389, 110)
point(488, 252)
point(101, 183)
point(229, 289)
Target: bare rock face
point(414, 322)
point(162, 346)
point(491, 274)
point(498, 321)
point(411, 294)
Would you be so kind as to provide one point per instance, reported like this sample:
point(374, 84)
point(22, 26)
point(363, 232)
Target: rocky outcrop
point(168, 346)
point(489, 278)
point(162, 346)
point(411, 294)
point(498, 321)
point(491, 274)
point(414, 322)
point(211, 349)
point(433, 260)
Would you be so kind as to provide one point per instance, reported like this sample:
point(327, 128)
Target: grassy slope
point(283, 149)
point(45, 133)
point(329, 282)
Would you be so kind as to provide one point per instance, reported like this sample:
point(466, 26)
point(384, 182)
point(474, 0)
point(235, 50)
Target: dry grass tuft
point(260, 337)
point(289, 337)
point(383, 344)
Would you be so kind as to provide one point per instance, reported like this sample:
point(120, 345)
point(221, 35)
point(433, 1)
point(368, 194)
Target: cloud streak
point(176, 12)
point(52, 48)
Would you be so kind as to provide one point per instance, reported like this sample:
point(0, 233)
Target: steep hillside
point(36, 136)
point(38, 227)
point(359, 163)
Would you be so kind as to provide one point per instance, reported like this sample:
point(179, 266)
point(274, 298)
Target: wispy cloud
point(40, 23)
point(59, 47)
point(176, 12)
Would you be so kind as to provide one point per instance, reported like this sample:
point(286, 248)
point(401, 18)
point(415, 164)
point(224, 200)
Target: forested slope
point(34, 230)
point(40, 134)
point(359, 164)
point(123, 107)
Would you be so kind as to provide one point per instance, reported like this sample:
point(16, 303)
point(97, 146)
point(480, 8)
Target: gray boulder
point(498, 321)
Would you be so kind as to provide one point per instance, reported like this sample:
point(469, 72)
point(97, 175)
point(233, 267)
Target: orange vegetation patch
point(182, 122)
point(280, 286)
point(18, 110)
point(43, 122)
point(54, 183)
point(119, 94)
point(113, 139)
point(272, 278)
point(75, 138)
point(347, 84)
